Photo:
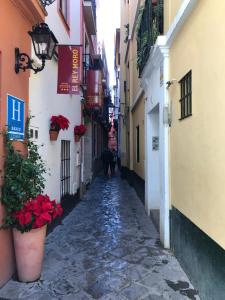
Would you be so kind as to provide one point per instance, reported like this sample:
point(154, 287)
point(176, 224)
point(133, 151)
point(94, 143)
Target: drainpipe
point(165, 203)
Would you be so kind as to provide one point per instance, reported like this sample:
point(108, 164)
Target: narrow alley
point(106, 248)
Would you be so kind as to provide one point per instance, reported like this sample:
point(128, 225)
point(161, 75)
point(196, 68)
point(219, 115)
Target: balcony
point(90, 16)
point(91, 62)
point(149, 28)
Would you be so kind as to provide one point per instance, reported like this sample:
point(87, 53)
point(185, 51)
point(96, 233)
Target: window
point(65, 168)
point(138, 143)
point(64, 10)
point(186, 96)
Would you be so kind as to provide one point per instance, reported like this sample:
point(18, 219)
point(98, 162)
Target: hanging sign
point(94, 88)
point(69, 69)
point(15, 118)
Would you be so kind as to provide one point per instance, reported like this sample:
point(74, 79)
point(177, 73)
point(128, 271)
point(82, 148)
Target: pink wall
point(112, 140)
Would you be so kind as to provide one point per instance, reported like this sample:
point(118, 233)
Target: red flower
point(24, 217)
point(36, 213)
point(80, 130)
point(59, 122)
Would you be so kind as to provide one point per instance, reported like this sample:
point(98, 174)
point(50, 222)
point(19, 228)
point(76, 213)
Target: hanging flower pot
point(56, 124)
point(53, 135)
point(29, 252)
point(77, 138)
point(79, 131)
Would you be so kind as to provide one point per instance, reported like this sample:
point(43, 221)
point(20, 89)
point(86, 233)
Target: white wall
point(154, 78)
point(154, 172)
point(45, 102)
point(88, 154)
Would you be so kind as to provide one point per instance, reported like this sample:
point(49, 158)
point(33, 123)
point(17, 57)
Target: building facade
point(197, 188)
point(70, 164)
point(24, 14)
point(132, 128)
point(63, 157)
point(116, 91)
point(183, 174)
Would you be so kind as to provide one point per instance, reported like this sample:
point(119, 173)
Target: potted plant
point(29, 231)
point(27, 211)
point(57, 123)
point(79, 131)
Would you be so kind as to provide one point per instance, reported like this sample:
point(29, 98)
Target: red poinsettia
point(59, 122)
point(80, 130)
point(36, 213)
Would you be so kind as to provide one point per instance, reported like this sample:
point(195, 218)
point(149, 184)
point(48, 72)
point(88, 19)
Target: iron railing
point(87, 65)
point(151, 25)
point(94, 8)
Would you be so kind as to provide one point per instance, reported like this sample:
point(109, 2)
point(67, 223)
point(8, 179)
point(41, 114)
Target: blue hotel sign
point(15, 117)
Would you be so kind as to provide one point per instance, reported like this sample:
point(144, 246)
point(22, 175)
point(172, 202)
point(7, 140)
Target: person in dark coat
point(106, 158)
point(113, 162)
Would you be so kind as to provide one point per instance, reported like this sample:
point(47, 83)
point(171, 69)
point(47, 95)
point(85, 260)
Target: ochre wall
point(129, 73)
point(124, 17)
point(14, 27)
point(171, 8)
point(198, 142)
point(135, 80)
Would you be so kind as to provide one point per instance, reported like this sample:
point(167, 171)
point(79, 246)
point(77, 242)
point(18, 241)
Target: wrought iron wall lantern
point(44, 43)
point(47, 2)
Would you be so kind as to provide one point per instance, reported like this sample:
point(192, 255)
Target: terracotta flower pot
point(53, 135)
point(77, 138)
point(29, 252)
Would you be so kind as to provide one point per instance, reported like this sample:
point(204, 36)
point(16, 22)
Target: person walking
point(113, 161)
point(106, 158)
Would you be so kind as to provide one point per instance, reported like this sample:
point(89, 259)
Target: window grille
point(64, 9)
point(186, 95)
point(138, 143)
point(65, 168)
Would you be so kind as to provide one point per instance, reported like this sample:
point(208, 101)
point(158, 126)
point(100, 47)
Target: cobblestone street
point(106, 248)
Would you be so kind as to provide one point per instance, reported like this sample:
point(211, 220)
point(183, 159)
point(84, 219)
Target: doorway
point(153, 167)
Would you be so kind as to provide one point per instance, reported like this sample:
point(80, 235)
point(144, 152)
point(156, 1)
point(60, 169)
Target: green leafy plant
point(23, 176)
point(139, 17)
point(146, 36)
point(142, 49)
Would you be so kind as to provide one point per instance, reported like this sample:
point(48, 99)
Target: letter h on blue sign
point(15, 118)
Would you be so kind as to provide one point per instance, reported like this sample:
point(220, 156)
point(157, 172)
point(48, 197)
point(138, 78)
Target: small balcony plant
point(56, 124)
point(79, 131)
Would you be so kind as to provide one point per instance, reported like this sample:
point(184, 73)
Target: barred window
point(65, 168)
point(64, 10)
point(186, 96)
point(138, 143)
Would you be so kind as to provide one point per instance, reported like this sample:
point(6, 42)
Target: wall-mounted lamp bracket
point(170, 82)
point(47, 2)
point(44, 43)
point(24, 62)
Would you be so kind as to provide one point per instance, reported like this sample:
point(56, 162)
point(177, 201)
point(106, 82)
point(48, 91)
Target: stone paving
point(107, 249)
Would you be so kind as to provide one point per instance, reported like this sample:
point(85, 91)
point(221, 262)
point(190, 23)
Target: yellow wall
point(135, 80)
point(130, 75)
point(198, 142)
point(138, 120)
point(170, 10)
point(123, 20)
